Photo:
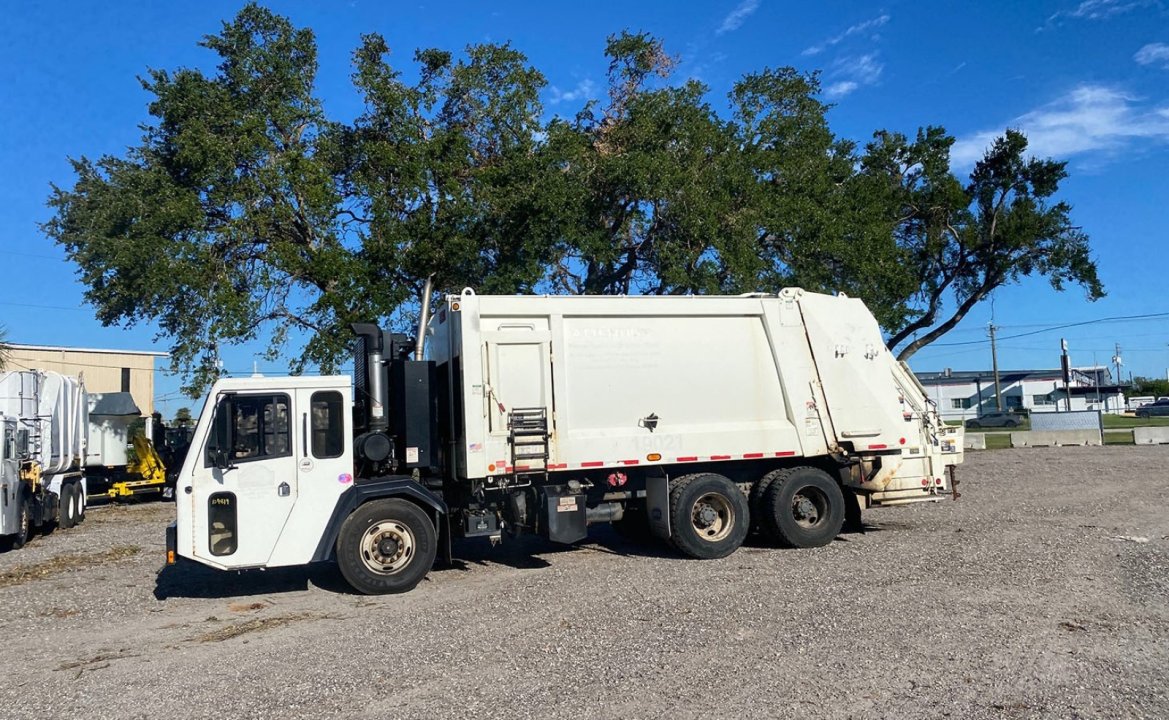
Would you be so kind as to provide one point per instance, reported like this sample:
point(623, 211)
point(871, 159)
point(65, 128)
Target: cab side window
point(257, 427)
point(328, 424)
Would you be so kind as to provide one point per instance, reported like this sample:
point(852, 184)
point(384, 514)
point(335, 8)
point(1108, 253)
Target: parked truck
point(113, 471)
point(44, 417)
point(700, 418)
point(63, 447)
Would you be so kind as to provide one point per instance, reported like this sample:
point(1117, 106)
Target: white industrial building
point(964, 394)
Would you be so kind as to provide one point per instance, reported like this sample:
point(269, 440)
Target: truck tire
point(755, 499)
point(709, 516)
point(68, 511)
point(82, 499)
point(803, 508)
point(386, 546)
point(23, 527)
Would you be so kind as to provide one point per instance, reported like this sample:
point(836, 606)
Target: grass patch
point(101, 660)
point(259, 624)
point(65, 563)
point(1122, 421)
point(1118, 437)
point(997, 441)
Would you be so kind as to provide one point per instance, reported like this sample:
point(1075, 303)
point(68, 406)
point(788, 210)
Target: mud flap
point(657, 502)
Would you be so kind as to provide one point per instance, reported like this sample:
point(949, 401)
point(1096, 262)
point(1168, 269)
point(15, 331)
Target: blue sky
point(1087, 80)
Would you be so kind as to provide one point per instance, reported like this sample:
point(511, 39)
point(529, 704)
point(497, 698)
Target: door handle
point(187, 489)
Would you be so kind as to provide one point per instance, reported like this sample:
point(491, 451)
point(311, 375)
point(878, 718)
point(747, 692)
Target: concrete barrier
point(1150, 435)
point(975, 441)
point(1036, 438)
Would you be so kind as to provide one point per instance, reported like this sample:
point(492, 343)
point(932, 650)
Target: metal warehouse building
point(129, 371)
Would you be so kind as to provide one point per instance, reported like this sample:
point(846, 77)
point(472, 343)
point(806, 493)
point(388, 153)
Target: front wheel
point(709, 516)
point(23, 527)
point(804, 508)
point(386, 546)
point(973, 425)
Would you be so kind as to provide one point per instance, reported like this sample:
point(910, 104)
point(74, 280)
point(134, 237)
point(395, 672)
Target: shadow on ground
point(189, 579)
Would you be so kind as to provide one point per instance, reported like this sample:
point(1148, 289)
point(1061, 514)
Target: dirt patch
point(65, 563)
point(251, 626)
point(247, 607)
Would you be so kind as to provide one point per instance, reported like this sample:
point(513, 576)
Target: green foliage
point(183, 417)
point(1141, 386)
point(245, 213)
point(962, 242)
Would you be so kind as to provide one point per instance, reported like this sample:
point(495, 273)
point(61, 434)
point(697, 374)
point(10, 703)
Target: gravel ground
point(1042, 593)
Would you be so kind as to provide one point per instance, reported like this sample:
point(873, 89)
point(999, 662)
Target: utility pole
point(994, 360)
point(1066, 366)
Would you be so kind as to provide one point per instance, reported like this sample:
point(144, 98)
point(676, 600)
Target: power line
point(1117, 318)
point(43, 307)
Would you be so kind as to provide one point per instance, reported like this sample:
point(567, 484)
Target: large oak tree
point(245, 213)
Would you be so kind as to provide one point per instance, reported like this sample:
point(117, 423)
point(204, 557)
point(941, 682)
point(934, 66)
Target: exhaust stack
point(371, 370)
point(424, 317)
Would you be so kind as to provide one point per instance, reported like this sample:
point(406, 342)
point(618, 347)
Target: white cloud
point(584, 90)
point(738, 16)
point(865, 69)
point(853, 30)
point(1103, 9)
point(840, 89)
point(1089, 119)
point(1153, 54)
point(851, 72)
point(1100, 10)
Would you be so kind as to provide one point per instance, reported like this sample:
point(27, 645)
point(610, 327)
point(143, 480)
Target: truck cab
point(271, 453)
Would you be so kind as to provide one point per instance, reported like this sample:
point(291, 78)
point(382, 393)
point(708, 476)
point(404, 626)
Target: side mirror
point(221, 457)
point(221, 439)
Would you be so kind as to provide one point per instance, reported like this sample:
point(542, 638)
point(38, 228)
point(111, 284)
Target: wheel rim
point(809, 507)
point(387, 547)
point(712, 517)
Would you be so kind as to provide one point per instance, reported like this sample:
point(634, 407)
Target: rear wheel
point(82, 500)
point(755, 498)
point(386, 546)
point(974, 425)
point(69, 493)
point(709, 516)
point(804, 508)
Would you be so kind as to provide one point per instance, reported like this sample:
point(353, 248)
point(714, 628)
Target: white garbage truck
point(44, 419)
point(699, 419)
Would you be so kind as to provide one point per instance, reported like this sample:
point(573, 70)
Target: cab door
point(245, 484)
